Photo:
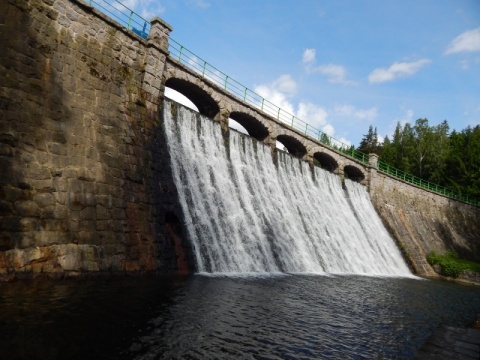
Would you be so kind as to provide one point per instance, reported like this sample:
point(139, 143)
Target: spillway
point(246, 213)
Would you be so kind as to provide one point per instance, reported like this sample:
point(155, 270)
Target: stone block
point(68, 257)
point(104, 225)
point(6, 150)
point(44, 199)
point(38, 172)
point(44, 237)
point(27, 208)
point(29, 224)
point(10, 193)
point(56, 148)
point(102, 213)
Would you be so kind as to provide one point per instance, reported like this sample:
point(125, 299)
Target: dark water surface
point(201, 317)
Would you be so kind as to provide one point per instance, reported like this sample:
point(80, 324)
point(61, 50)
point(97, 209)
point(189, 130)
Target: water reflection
point(198, 317)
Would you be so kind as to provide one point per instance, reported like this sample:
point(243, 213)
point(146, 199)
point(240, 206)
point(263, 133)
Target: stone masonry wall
point(422, 221)
point(79, 142)
point(85, 180)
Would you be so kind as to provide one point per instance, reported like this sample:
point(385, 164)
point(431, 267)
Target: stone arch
point(326, 161)
point(254, 127)
point(203, 101)
point(354, 173)
point(294, 146)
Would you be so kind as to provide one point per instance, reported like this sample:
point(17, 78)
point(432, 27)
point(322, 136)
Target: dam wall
point(80, 153)
point(86, 183)
point(422, 221)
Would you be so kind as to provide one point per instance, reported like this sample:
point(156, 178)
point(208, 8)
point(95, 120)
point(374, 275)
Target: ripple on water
point(201, 317)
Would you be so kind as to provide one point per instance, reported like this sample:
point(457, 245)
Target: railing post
point(203, 70)
point(180, 54)
point(130, 20)
point(226, 81)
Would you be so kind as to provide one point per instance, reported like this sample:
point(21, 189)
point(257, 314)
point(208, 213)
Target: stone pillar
point(340, 171)
point(373, 161)
point(159, 33)
point(157, 51)
point(371, 171)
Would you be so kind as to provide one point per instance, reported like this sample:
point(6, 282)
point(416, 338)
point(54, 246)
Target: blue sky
point(341, 65)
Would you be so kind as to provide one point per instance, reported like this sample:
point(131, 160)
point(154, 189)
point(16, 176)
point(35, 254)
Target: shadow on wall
point(32, 130)
point(182, 251)
point(461, 232)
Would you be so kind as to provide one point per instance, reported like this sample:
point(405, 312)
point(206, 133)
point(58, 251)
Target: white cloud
point(313, 114)
point(148, 9)
point(352, 111)
point(180, 98)
point(328, 129)
point(466, 42)
point(200, 3)
point(336, 74)
point(397, 70)
point(308, 56)
point(277, 93)
point(275, 97)
point(235, 125)
point(345, 141)
point(285, 84)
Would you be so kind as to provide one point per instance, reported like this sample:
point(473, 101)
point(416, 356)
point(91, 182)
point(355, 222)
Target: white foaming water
point(245, 215)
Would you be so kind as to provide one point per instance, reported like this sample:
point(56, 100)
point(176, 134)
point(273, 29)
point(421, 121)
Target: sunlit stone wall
point(422, 221)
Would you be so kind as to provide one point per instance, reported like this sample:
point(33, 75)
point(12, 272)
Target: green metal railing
point(132, 21)
point(123, 15)
point(399, 174)
point(212, 74)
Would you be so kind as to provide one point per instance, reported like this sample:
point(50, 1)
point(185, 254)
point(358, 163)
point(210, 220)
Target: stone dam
point(86, 185)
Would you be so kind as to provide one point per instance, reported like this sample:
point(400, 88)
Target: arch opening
point(294, 146)
point(205, 104)
point(253, 126)
point(354, 173)
point(182, 253)
point(325, 161)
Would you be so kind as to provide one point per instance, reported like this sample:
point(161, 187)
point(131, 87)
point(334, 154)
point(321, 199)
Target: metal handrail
point(412, 179)
point(132, 21)
point(123, 15)
point(186, 57)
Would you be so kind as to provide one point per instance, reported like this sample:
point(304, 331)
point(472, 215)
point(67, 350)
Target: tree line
point(431, 152)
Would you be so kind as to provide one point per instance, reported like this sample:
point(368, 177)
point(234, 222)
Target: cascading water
point(243, 214)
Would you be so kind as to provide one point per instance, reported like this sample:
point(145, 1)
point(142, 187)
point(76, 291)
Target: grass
point(451, 263)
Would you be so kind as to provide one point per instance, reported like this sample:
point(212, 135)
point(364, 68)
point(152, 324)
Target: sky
point(341, 65)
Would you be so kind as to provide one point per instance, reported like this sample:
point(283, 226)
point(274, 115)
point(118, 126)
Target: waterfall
point(244, 214)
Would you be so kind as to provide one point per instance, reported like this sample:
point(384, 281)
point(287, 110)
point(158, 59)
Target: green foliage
point(432, 154)
point(325, 139)
point(369, 143)
point(451, 263)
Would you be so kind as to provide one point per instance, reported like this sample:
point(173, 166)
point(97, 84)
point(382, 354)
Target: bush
point(451, 264)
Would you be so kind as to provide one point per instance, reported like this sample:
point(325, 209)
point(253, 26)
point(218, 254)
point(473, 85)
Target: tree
point(324, 138)
point(462, 165)
point(369, 143)
point(388, 152)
